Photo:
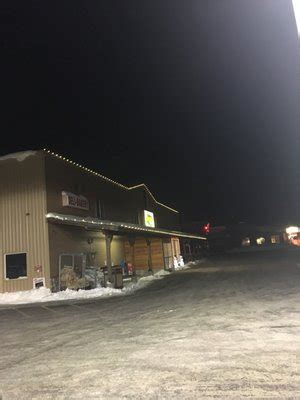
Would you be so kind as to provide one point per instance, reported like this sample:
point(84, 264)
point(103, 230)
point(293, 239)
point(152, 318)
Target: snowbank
point(42, 295)
point(45, 295)
point(21, 156)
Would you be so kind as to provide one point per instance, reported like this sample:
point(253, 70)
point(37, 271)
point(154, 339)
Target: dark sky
point(199, 99)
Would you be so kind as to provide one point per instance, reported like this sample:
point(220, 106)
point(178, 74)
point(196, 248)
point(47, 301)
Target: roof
point(142, 185)
point(22, 155)
point(19, 156)
point(97, 224)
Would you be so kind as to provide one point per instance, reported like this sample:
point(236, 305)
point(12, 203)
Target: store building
point(57, 214)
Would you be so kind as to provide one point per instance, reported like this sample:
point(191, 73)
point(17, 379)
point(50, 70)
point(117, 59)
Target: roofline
point(49, 152)
point(95, 223)
point(143, 185)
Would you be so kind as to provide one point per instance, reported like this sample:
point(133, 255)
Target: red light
point(206, 228)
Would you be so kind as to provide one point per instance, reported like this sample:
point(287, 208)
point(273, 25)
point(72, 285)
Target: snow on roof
point(20, 156)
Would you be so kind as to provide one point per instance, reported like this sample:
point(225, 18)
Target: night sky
point(199, 99)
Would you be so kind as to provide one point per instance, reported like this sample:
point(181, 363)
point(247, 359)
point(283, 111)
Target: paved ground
point(225, 329)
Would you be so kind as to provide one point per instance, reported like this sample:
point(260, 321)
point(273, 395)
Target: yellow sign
point(149, 219)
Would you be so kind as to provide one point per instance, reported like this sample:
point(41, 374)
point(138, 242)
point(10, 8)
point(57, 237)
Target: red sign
point(38, 268)
point(73, 200)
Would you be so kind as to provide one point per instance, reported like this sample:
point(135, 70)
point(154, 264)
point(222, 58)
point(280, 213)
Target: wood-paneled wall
point(141, 253)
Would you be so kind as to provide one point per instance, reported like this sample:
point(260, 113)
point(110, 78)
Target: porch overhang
point(117, 227)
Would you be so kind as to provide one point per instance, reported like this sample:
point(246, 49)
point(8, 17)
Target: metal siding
point(22, 191)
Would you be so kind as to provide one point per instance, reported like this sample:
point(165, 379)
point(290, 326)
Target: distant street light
point(296, 4)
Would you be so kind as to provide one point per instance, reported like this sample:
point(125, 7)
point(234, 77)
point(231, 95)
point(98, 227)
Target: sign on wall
point(38, 282)
point(75, 201)
point(149, 219)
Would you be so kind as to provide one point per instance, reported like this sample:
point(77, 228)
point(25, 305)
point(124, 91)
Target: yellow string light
point(78, 220)
point(110, 180)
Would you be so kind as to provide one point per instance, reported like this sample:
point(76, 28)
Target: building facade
point(57, 214)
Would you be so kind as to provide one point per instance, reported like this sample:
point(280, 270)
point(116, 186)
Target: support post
point(108, 240)
point(148, 241)
point(131, 240)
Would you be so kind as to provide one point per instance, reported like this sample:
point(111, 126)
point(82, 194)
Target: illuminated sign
point(149, 219)
point(74, 201)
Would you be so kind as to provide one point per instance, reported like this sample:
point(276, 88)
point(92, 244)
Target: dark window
point(77, 188)
point(16, 266)
point(100, 210)
point(136, 218)
point(141, 217)
point(146, 200)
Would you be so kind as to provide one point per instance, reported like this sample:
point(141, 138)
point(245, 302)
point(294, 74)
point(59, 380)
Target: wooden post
point(108, 240)
point(148, 241)
point(131, 240)
point(184, 249)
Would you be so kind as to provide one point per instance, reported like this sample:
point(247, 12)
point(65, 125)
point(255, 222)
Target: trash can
point(117, 277)
point(104, 278)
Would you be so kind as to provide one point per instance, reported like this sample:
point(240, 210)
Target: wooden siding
point(141, 253)
point(23, 226)
point(175, 247)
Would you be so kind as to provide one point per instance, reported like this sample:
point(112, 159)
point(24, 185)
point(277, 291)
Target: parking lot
point(226, 328)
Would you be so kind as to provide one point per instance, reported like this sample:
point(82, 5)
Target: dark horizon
point(200, 102)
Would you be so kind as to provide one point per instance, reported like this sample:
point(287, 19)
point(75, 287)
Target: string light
point(108, 179)
point(118, 225)
point(157, 202)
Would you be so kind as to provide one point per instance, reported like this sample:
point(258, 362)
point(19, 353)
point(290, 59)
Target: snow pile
point(144, 281)
point(42, 294)
point(45, 295)
point(20, 156)
point(179, 263)
point(192, 263)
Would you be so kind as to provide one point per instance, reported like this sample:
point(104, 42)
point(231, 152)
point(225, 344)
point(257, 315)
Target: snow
point(227, 328)
point(43, 294)
point(20, 156)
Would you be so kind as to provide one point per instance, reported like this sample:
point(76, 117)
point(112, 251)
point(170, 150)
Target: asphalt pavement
point(227, 328)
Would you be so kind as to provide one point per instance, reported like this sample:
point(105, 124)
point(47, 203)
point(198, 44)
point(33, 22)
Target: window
point(246, 241)
point(275, 239)
point(77, 188)
point(16, 265)
point(260, 241)
point(99, 210)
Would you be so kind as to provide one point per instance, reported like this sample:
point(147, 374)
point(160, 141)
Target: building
point(56, 214)
point(222, 237)
point(258, 236)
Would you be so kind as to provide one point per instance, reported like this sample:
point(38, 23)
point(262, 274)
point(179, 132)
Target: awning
point(102, 225)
